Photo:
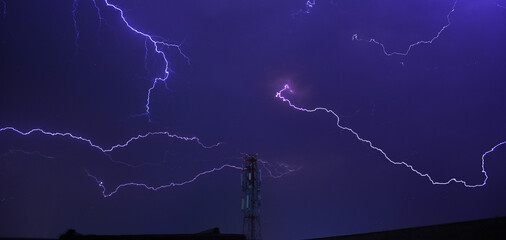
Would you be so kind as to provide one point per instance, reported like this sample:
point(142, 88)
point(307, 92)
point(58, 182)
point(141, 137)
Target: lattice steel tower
point(251, 181)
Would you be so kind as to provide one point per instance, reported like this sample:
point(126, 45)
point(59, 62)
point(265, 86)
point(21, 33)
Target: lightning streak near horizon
point(265, 164)
point(371, 145)
point(355, 37)
point(156, 188)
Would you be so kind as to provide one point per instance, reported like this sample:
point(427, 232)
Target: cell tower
point(251, 180)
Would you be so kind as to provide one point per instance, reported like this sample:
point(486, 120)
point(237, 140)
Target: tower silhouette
point(251, 181)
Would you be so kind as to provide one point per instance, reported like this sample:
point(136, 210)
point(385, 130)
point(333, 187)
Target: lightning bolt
point(112, 148)
point(267, 165)
point(106, 194)
point(100, 18)
point(14, 151)
point(355, 37)
point(278, 174)
point(311, 3)
point(371, 145)
point(158, 46)
point(107, 150)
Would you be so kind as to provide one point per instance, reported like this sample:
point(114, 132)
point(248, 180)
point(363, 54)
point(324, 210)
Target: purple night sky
point(132, 117)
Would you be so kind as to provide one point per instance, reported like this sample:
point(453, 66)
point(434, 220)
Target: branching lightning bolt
point(371, 145)
point(158, 46)
point(422, 42)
